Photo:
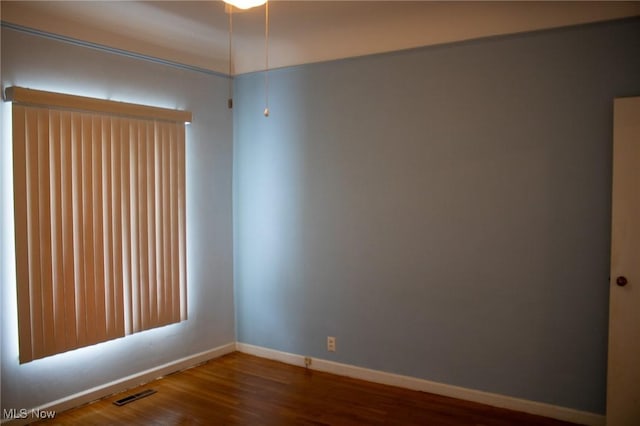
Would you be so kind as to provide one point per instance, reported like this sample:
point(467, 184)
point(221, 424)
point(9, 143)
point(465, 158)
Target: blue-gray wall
point(43, 63)
point(444, 212)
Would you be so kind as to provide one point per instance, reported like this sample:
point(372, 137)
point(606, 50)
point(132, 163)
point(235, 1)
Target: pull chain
point(266, 59)
point(230, 100)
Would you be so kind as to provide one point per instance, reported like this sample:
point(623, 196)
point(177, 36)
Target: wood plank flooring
point(240, 389)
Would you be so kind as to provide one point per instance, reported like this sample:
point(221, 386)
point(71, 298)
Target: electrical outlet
point(331, 343)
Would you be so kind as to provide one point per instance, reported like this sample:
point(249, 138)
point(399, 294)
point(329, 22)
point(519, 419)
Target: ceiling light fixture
point(245, 4)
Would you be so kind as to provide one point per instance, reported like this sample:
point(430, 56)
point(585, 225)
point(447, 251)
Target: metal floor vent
point(134, 397)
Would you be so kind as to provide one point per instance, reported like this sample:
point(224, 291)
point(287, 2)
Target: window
point(99, 219)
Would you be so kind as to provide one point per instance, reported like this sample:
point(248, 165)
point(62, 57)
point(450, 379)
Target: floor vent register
point(134, 397)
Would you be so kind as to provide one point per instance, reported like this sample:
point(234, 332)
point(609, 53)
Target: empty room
point(320, 212)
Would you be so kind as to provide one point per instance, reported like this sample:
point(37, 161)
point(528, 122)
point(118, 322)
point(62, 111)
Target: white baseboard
point(128, 382)
point(496, 400)
point(407, 382)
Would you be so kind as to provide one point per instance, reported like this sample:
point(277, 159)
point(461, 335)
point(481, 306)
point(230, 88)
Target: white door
point(623, 376)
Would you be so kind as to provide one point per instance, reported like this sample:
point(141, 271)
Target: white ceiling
point(196, 32)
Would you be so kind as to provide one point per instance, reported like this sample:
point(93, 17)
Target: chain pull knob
point(621, 281)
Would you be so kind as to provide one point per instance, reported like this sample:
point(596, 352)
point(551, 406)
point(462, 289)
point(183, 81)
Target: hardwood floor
point(240, 389)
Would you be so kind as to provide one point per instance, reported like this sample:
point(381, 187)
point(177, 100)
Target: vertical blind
point(99, 198)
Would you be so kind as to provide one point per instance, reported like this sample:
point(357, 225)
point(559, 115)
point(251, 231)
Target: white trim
point(496, 400)
point(127, 382)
